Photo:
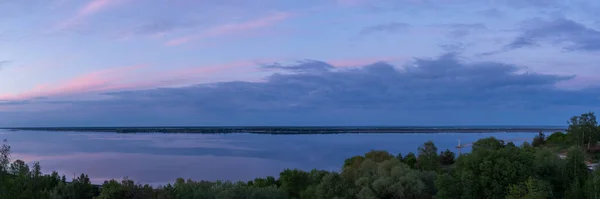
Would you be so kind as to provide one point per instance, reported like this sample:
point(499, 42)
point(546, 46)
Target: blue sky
point(297, 62)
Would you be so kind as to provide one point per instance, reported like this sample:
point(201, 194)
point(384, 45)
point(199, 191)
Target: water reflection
point(161, 158)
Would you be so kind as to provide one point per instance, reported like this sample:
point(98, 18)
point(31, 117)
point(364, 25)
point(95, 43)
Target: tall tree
point(428, 158)
point(4, 156)
point(583, 129)
point(447, 157)
point(294, 181)
point(575, 168)
point(539, 140)
point(410, 159)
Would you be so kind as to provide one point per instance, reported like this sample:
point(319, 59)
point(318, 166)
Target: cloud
point(462, 30)
point(568, 34)
point(302, 66)
point(128, 77)
point(454, 47)
point(95, 81)
point(316, 93)
point(159, 27)
point(392, 27)
point(91, 8)
point(232, 28)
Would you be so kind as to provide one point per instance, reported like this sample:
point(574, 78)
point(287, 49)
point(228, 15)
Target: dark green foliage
point(428, 158)
point(530, 189)
point(583, 129)
point(378, 156)
point(557, 139)
point(488, 144)
point(576, 171)
point(331, 186)
point(294, 182)
point(493, 170)
point(547, 166)
point(399, 157)
point(410, 159)
point(447, 157)
point(592, 188)
point(264, 182)
point(539, 140)
point(490, 169)
point(449, 186)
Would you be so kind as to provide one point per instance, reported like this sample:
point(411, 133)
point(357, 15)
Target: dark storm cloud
point(444, 82)
point(315, 93)
point(569, 34)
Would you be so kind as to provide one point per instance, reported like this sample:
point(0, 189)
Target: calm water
point(161, 158)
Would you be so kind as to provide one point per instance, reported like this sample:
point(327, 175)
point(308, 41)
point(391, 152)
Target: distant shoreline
point(293, 130)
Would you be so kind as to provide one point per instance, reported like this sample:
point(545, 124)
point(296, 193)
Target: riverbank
point(294, 130)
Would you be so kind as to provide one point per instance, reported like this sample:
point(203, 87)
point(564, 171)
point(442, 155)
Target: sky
point(297, 62)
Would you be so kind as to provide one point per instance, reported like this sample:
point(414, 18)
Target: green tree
point(410, 159)
point(389, 179)
point(448, 186)
point(4, 156)
point(576, 171)
point(378, 155)
point(592, 185)
point(400, 157)
point(557, 139)
point(539, 140)
point(428, 158)
point(82, 187)
point(331, 186)
point(530, 189)
point(447, 157)
point(294, 181)
point(548, 167)
point(583, 129)
point(490, 143)
point(490, 169)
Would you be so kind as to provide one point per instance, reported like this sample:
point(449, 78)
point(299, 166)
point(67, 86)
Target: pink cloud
point(89, 9)
point(232, 28)
point(196, 74)
point(95, 81)
point(127, 78)
point(122, 78)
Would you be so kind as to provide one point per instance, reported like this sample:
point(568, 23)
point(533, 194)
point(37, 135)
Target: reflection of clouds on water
point(158, 158)
point(157, 169)
point(161, 140)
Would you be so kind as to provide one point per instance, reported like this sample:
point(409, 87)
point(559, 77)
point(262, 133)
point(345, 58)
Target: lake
point(161, 158)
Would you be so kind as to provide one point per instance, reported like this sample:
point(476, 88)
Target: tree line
point(493, 169)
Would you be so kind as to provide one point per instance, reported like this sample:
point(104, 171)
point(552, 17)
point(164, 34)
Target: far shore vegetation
point(558, 166)
point(290, 130)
